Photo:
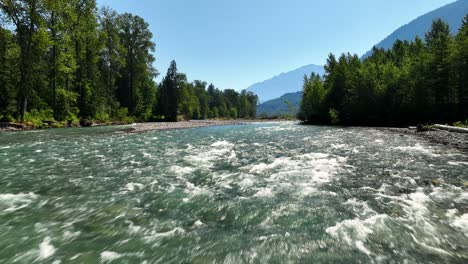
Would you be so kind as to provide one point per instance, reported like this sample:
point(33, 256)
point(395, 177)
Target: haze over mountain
point(284, 83)
point(452, 14)
point(279, 106)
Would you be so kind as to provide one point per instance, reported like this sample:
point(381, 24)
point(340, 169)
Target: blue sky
point(236, 43)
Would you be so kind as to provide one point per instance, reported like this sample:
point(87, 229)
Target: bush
point(36, 117)
point(102, 117)
point(233, 112)
point(334, 116)
point(66, 105)
point(7, 118)
point(461, 124)
point(121, 115)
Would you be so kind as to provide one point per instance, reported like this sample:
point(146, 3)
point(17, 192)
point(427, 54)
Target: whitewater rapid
point(257, 193)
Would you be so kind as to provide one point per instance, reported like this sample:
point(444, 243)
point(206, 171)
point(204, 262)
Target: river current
point(258, 193)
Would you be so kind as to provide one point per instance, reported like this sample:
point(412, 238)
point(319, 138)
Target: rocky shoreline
point(444, 137)
point(155, 126)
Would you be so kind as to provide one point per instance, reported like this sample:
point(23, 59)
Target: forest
point(418, 82)
point(69, 61)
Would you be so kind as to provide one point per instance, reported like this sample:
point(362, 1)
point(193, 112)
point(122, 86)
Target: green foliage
point(7, 118)
point(121, 115)
point(66, 105)
point(461, 124)
point(312, 100)
point(414, 82)
point(69, 58)
point(196, 101)
point(37, 117)
point(333, 115)
point(233, 113)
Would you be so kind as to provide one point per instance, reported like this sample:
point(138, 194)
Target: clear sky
point(236, 43)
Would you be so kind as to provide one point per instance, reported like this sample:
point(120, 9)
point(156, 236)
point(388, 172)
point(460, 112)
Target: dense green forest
point(414, 82)
point(67, 60)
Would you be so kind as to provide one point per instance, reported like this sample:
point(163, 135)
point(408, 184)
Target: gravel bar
point(444, 137)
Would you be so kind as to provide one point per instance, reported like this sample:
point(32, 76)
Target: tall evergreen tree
point(168, 94)
point(438, 41)
point(27, 17)
point(136, 40)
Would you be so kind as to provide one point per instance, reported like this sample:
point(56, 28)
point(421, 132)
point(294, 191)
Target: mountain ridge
point(283, 83)
point(452, 14)
point(278, 106)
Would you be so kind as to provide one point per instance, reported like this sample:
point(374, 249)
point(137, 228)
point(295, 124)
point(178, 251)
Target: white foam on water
point(451, 213)
point(198, 223)
point(16, 201)
point(339, 146)
point(247, 181)
point(132, 186)
point(109, 256)
point(458, 163)
point(178, 170)
point(194, 190)
point(461, 222)
point(418, 148)
point(156, 236)
point(264, 193)
point(222, 143)
point(68, 235)
point(206, 156)
point(46, 249)
point(277, 128)
point(354, 232)
point(278, 162)
point(415, 205)
point(5, 147)
point(462, 197)
point(359, 207)
point(301, 174)
point(429, 247)
point(417, 202)
point(380, 141)
point(132, 228)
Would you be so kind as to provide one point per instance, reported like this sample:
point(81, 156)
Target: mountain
point(278, 106)
point(289, 82)
point(452, 14)
point(286, 85)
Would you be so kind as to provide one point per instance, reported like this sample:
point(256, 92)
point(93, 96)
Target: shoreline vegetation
point(64, 63)
point(418, 82)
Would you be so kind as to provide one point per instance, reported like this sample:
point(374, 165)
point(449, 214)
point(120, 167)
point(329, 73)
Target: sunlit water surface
point(259, 193)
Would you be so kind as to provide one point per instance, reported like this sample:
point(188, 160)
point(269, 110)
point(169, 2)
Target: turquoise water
point(259, 193)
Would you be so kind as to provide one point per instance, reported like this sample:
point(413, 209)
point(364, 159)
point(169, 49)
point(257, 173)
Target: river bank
point(154, 126)
point(444, 137)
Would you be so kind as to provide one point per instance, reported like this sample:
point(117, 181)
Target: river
point(257, 193)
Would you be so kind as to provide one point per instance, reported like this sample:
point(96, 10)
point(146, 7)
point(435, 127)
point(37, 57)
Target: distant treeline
point(176, 96)
point(66, 60)
point(414, 82)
